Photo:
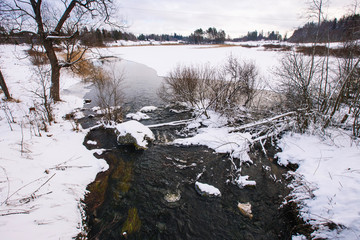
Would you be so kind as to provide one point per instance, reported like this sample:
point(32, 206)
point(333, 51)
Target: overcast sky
point(236, 17)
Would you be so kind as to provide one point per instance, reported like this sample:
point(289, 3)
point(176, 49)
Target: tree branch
point(65, 16)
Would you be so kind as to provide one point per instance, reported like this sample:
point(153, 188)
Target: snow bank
point(141, 134)
point(329, 166)
point(42, 178)
point(217, 137)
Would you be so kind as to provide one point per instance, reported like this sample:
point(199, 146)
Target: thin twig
point(43, 184)
point(20, 211)
point(20, 189)
point(8, 182)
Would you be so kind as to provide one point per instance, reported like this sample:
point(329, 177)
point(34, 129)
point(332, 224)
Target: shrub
point(223, 89)
point(38, 58)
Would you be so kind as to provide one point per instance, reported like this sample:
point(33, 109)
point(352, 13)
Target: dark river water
point(151, 194)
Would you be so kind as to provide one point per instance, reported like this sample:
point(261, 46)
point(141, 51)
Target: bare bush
point(109, 92)
point(42, 113)
point(223, 90)
point(241, 77)
point(37, 57)
point(187, 84)
point(295, 83)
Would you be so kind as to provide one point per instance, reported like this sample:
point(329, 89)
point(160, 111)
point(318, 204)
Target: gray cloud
point(236, 17)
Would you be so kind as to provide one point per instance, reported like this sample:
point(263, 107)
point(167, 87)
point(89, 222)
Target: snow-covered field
point(42, 179)
point(164, 58)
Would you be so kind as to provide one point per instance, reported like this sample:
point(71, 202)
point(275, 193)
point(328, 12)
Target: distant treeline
point(161, 37)
point(258, 36)
point(199, 36)
point(345, 29)
point(88, 37)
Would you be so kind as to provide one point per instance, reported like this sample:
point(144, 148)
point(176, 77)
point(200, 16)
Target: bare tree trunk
point(4, 87)
point(55, 70)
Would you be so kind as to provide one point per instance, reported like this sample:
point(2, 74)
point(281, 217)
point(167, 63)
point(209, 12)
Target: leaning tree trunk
point(4, 87)
point(55, 70)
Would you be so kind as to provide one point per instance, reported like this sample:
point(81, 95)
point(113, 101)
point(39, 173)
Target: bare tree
point(43, 19)
point(4, 86)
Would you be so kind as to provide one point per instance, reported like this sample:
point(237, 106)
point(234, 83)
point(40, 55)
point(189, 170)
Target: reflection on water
point(140, 83)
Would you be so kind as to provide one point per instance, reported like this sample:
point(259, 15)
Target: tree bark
point(4, 87)
point(55, 70)
point(50, 52)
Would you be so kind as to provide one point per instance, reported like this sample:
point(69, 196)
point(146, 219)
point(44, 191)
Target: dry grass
point(83, 68)
point(324, 51)
point(38, 58)
point(248, 46)
point(277, 47)
point(218, 46)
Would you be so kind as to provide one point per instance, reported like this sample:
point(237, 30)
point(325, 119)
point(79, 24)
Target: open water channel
point(151, 194)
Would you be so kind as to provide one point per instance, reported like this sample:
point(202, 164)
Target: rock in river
point(207, 190)
point(134, 133)
point(245, 209)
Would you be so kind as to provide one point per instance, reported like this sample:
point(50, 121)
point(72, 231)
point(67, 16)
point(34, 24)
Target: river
point(151, 194)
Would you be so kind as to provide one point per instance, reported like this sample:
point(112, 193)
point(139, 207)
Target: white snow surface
point(42, 179)
point(137, 116)
point(242, 181)
point(139, 131)
point(209, 189)
point(329, 165)
point(91, 142)
point(217, 136)
point(164, 58)
point(148, 109)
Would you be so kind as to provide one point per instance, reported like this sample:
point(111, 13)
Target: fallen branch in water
point(174, 123)
point(262, 122)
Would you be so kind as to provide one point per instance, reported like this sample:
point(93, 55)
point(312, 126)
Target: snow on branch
point(55, 37)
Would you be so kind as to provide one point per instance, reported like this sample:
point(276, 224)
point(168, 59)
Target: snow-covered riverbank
point(327, 182)
point(42, 178)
